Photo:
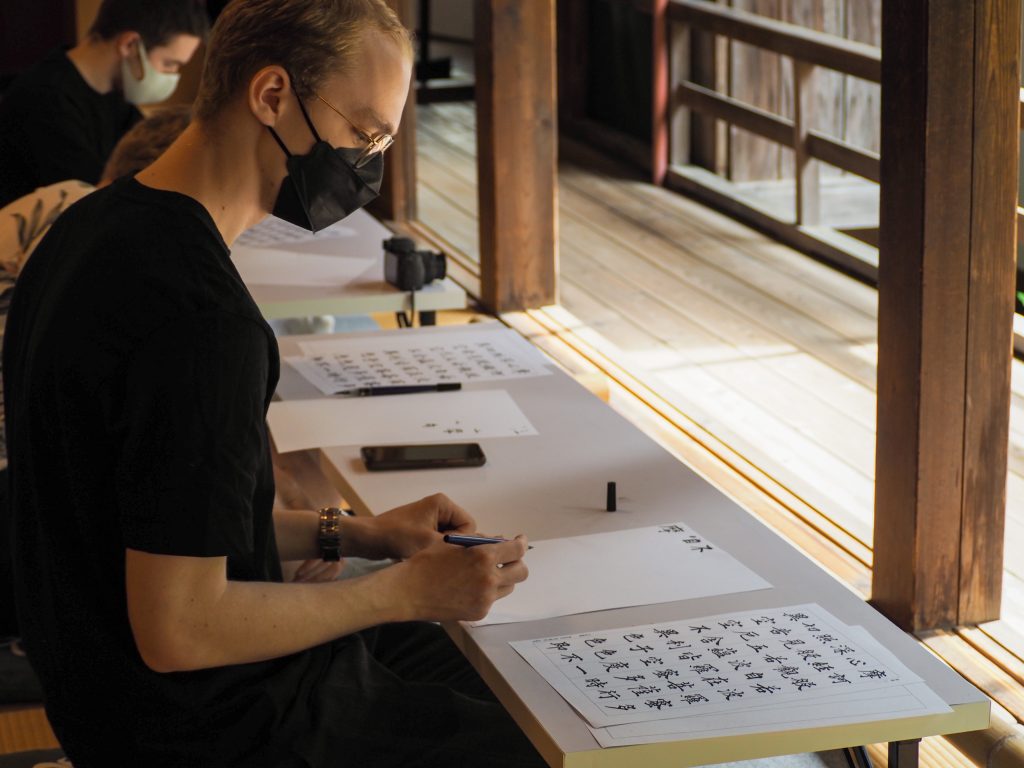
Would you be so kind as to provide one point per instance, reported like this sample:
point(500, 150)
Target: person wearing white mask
point(62, 118)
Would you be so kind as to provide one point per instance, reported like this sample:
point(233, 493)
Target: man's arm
point(185, 614)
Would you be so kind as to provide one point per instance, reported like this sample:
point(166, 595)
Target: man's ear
point(127, 43)
point(267, 90)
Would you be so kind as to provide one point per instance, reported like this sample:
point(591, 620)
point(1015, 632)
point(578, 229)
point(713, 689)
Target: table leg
point(903, 754)
point(857, 757)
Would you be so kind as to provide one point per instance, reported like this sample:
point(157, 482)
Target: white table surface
point(554, 485)
point(367, 293)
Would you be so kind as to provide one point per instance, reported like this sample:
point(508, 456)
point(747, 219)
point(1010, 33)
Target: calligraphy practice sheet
point(911, 700)
point(711, 665)
point(580, 574)
point(914, 700)
point(393, 359)
point(435, 417)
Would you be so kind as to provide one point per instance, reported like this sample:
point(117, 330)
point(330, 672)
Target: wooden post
point(661, 99)
point(397, 201)
point(704, 130)
point(946, 267)
point(516, 153)
point(808, 186)
point(680, 121)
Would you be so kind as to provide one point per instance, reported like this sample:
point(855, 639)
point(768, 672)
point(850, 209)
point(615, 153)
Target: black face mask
point(324, 186)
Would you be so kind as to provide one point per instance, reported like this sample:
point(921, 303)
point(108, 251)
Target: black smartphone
point(439, 456)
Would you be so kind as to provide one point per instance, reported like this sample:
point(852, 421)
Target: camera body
point(409, 269)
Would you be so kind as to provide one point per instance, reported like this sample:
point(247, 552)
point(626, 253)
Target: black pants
point(403, 695)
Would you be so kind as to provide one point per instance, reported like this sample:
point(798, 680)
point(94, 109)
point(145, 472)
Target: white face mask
point(153, 87)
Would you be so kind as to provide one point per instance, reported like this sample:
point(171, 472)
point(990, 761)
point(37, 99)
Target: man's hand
point(403, 531)
point(444, 582)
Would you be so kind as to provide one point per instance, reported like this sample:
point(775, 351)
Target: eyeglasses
point(375, 145)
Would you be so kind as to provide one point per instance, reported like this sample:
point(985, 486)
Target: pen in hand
point(470, 540)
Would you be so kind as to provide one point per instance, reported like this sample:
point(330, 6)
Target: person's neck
point(215, 166)
point(98, 62)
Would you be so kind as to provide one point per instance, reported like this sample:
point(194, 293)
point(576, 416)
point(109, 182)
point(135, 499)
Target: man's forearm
point(252, 621)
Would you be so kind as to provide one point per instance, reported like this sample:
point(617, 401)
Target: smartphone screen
point(441, 455)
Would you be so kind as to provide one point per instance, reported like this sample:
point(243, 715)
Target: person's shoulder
point(24, 221)
point(165, 239)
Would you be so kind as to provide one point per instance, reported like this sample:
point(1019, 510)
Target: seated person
point(22, 225)
point(61, 119)
point(138, 372)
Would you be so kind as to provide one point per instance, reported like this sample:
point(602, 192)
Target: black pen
point(469, 540)
point(402, 390)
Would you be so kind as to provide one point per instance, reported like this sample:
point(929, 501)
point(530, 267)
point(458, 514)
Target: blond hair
point(144, 143)
point(311, 39)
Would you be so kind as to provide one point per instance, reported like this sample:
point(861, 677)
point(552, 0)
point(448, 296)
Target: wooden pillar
point(516, 152)
point(808, 187)
point(397, 200)
point(661, 97)
point(946, 275)
point(705, 65)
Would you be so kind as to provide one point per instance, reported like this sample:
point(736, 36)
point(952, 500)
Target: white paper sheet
point(712, 665)
point(273, 232)
point(434, 417)
point(266, 266)
point(395, 359)
point(601, 571)
point(914, 700)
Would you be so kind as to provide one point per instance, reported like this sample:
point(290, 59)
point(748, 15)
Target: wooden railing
point(809, 50)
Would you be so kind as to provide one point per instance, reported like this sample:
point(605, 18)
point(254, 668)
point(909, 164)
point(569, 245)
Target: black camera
point(409, 269)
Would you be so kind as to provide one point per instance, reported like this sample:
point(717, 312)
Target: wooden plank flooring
point(765, 348)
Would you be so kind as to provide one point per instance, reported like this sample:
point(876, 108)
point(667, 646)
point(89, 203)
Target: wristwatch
point(329, 537)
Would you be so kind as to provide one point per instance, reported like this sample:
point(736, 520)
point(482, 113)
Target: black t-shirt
point(138, 372)
point(54, 127)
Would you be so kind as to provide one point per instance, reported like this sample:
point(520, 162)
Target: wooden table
point(553, 485)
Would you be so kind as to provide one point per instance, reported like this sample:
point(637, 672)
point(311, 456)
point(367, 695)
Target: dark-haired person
point(61, 119)
point(138, 372)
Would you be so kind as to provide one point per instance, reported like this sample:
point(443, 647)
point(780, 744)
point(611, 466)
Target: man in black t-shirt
point(61, 119)
point(138, 372)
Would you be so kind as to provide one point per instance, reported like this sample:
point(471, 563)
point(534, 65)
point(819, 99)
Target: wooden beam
point(948, 168)
point(516, 152)
point(397, 201)
point(660, 92)
point(843, 155)
point(733, 111)
point(824, 50)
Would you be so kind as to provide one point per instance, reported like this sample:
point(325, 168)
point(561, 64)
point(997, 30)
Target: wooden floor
point(765, 348)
